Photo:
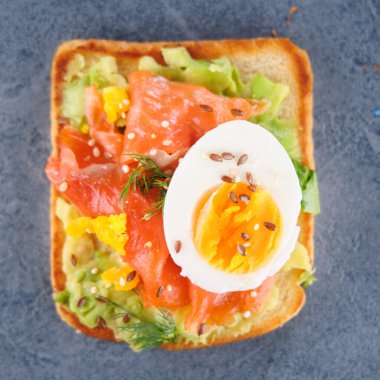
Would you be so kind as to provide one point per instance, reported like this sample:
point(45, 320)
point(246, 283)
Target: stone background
point(336, 336)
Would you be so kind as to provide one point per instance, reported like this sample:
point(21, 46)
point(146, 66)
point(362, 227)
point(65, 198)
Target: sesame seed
point(87, 158)
point(148, 244)
point(101, 299)
point(93, 289)
point(107, 155)
point(169, 288)
point(107, 286)
point(246, 245)
point(244, 198)
point(153, 135)
point(249, 178)
point(91, 142)
point(125, 168)
point(123, 115)
point(125, 101)
point(122, 281)
point(246, 314)
point(131, 136)
point(253, 293)
point(244, 236)
point(126, 318)
point(63, 187)
point(256, 226)
point(167, 142)
point(121, 106)
point(96, 152)
point(94, 270)
point(164, 124)
point(251, 188)
point(153, 152)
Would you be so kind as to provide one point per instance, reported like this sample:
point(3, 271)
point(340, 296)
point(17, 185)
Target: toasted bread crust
point(292, 296)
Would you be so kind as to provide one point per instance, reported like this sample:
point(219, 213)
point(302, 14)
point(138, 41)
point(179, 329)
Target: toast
point(281, 61)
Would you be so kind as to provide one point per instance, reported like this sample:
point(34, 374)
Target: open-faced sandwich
point(183, 189)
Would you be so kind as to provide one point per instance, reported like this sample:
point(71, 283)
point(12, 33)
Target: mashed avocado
point(85, 258)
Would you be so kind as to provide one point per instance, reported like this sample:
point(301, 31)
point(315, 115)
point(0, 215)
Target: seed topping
point(177, 246)
point(202, 329)
point(126, 318)
point(159, 291)
point(131, 276)
point(252, 188)
point(233, 197)
point(96, 152)
point(63, 187)
point(227, 156)
point(102, 323)
point(228, 179)
point(241, 249)
point(73, 260)
point(270, 226)
point(101, 299)
point(81, 301)
point(244, 198)
point(249, 177)
point(237, 112)
point(215, 157)
point(244, 236)
point(242, 159)
point(205, 108)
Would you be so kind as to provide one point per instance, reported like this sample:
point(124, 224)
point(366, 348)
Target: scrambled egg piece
point(122, 278)
point(111, 230)
point(116, 103)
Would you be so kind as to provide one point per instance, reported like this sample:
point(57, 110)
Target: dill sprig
point(144, 178)
point(146, 334)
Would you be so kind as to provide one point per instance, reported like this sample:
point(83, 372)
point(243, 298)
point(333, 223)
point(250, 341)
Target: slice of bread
point(278, 59)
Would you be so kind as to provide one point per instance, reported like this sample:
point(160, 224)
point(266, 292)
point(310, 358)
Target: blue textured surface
point(336, 336)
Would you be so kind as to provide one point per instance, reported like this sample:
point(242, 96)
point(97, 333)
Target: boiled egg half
point(231, 209)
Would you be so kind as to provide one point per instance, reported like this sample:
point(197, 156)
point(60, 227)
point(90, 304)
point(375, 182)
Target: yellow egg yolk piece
point(111, 230)
point(237, 230)
point(122, 278)
point(116, 103)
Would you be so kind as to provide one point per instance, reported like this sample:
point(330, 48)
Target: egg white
point(272, 169)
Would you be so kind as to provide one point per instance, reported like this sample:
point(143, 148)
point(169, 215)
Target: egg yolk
point(237, 230)
point(116, 103)
point(111, 230)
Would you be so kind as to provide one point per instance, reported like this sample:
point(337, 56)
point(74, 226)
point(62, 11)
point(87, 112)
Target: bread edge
point(198, 49)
